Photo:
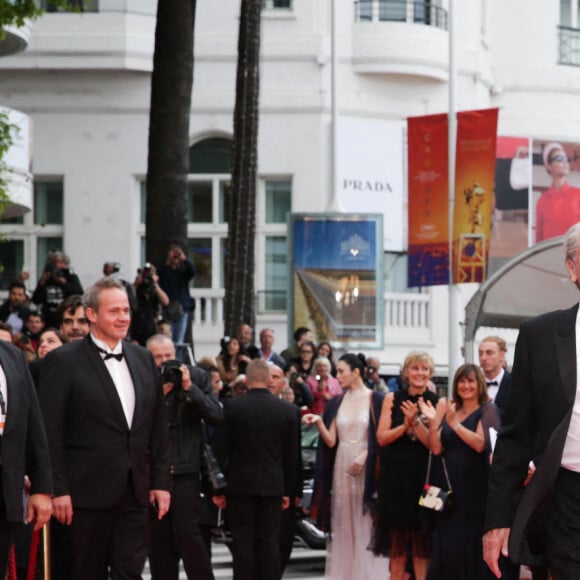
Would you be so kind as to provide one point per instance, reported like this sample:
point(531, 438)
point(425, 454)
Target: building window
point(278, 201)
point(199, 202)
point(277, 4)
point(276, 273)
point(27, 239)
point(12, 260)
point(200, 253)
point(48, 203)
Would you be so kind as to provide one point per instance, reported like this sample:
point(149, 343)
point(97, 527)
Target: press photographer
point(189, 400)
point(150, 297)
point(56, 283)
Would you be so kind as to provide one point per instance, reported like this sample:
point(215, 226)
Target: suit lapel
point(135, 369)
point(15, 394)
point(105, 380)
point(564, 337)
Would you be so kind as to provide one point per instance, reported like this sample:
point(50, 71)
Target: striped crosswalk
point(305, 564)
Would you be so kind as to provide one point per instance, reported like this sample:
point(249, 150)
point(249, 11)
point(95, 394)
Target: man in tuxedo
point(542, 422)
point(288, 519)
point(24, 451)
point(492, 351)
point(102, 402)
point(257, 447)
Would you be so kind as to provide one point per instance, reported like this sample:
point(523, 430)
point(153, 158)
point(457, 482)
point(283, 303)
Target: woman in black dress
point(404, 437)
point(459, 431)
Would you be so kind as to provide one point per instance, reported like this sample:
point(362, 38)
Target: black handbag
point(433, 497)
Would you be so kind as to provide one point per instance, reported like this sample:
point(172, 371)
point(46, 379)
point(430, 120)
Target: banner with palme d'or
point(474, 184)
point(428, 188)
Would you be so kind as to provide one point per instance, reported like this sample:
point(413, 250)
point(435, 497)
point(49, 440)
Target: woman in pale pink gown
point(345, 480)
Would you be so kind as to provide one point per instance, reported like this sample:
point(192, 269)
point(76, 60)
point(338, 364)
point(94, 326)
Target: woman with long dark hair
point(345, 473)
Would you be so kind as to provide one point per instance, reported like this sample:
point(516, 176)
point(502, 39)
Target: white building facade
point(85, 82)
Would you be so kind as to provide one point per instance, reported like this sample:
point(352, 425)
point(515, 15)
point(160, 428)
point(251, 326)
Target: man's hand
point(185, 378)
point(494, 542)
point(39, 509)
point(161, 499)
point(285, 502)
point(220, 501)
point(62, 509)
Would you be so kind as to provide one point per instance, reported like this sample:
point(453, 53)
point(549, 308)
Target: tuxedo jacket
point(23, 446)
point(535, 425)
point(257, 445)
point(503, 394)
point(95, 454)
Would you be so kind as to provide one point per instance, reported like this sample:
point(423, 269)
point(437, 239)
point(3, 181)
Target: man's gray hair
point(572, 242)
point(92, 295)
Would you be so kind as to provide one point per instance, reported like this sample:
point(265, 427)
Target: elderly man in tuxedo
point(102, 402)
point(257, 446)
point(542, 422)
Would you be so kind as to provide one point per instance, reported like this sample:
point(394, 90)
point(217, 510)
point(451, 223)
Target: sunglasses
point(561, 158)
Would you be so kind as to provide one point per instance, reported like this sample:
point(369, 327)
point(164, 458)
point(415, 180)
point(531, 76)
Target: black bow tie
point(492, 383)
point(108, 355)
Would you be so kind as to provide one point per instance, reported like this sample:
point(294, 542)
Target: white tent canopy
point(533, 282)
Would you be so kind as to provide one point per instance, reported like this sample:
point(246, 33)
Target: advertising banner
point(474, 186)
point(370, 173)
point(556, 187)
point(428, 201)
point(510, 217)
point(337, 278)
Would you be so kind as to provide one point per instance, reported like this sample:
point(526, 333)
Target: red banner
point(428, 201)
point(474, 187)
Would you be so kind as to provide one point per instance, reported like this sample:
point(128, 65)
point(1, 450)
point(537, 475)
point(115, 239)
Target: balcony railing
point(569, 46)
point(412, 11)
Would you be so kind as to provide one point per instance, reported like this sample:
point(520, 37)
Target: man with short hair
point(258, 449)
point(301, 334)
point(245, 336)
point(105, 418)
point(374, 381)
point(5, 332)
point(15, 309)
point(492, 351)
point(189, 403)
point(74, 324)
point(266, 351)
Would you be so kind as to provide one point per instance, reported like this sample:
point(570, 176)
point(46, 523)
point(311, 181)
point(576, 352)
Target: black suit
point(106, 467)
point(503, 394)
point(24, 450)
point(535, 427)
point(258, 449)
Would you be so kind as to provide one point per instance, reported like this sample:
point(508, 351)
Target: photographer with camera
point(174, 277)
point(56, 283)
point(189, 400)
point(150, 297)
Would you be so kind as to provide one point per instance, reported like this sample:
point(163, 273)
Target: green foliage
point(15, 12)
point(7, 132)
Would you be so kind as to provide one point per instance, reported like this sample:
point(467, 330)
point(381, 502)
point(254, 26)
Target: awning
point(533, 282)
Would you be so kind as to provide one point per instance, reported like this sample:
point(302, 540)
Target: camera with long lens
point(211, 469)
point(171, 373)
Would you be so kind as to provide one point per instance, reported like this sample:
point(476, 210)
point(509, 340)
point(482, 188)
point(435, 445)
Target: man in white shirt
point(492, 351)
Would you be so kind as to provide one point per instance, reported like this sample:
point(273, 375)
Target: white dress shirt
point(119, 371)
